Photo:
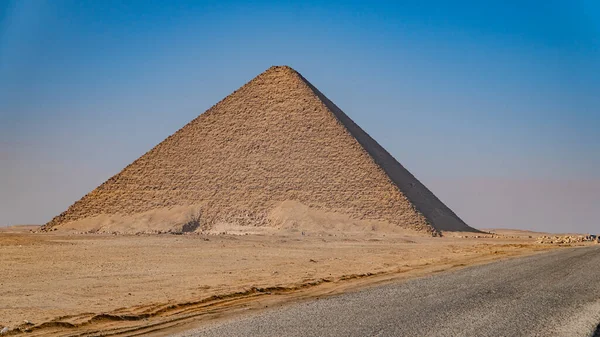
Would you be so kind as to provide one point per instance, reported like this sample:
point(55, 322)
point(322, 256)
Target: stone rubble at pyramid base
point(286, 216)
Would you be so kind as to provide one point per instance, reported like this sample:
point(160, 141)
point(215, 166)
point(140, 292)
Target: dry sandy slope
point(148, 278)
point(523, 233)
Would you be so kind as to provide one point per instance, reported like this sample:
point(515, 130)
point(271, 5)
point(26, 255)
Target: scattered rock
point(4, 331)
point(557, 239)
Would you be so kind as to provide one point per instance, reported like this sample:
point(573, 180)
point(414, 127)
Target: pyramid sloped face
point(275, 139)
point(439, 215)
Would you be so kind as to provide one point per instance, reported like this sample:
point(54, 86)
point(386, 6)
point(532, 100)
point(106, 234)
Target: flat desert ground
point(82, 284)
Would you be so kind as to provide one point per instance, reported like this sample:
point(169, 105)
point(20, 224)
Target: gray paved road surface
point(552, 294)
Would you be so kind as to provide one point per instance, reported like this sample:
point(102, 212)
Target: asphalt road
point(551, 294)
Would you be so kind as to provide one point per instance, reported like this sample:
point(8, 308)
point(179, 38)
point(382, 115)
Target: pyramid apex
point(280, 70)
point(281, 67)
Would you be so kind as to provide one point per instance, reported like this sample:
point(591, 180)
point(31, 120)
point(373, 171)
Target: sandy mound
point(289, 216)
point(159, 220)
point(294, 216)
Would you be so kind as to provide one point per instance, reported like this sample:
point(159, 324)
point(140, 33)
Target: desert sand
point(55, 283)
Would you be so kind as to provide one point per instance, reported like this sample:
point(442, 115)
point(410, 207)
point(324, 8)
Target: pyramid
point(276, 139)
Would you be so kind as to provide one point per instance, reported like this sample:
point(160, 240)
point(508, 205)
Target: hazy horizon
point(494, 107)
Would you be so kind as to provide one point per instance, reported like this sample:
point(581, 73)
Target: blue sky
point(494, 105)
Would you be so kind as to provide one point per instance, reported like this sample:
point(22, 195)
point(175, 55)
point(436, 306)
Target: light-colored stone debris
point(566, 239)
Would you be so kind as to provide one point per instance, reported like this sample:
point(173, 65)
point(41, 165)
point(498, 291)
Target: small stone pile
point(568, 239)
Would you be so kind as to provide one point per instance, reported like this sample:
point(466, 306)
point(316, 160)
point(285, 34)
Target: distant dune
point(520, 232)
point(19, 228)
